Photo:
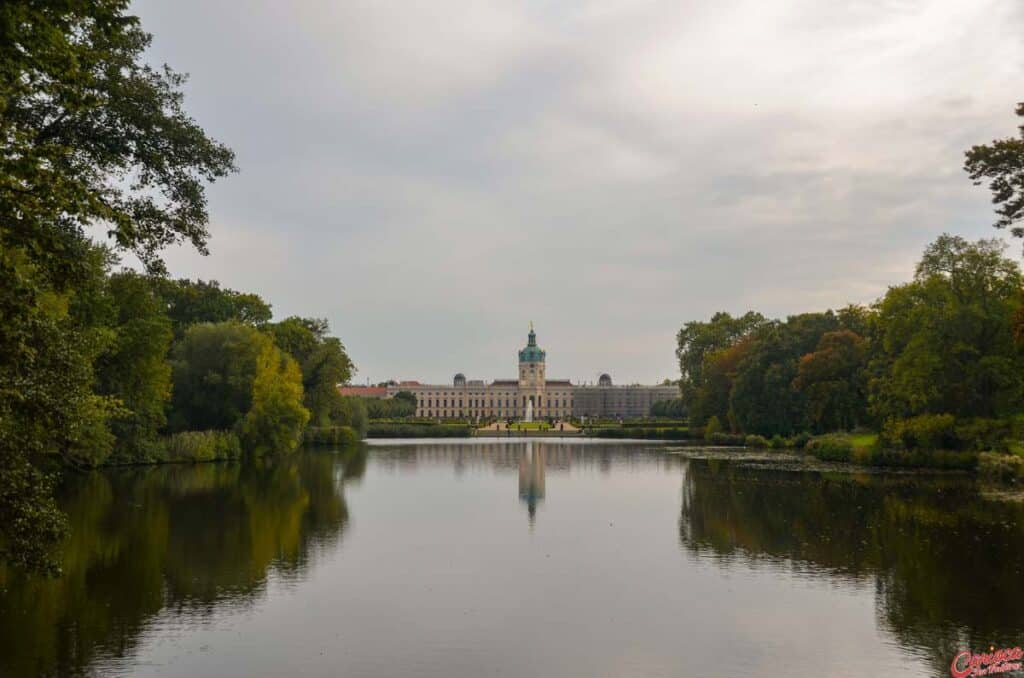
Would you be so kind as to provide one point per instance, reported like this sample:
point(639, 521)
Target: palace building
point(532, 393)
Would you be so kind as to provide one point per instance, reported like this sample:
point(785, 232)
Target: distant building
point(618, 402)
point(547, 398)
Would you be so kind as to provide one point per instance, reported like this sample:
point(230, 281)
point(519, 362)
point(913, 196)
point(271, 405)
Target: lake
point(462, 559)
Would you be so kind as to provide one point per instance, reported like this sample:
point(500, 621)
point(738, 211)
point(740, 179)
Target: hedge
point(668, 433)
point(330, 435)
point(377, 430)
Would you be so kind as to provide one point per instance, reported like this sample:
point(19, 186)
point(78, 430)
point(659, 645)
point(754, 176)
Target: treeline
point(169, 359)
point(936, 363)
point(401, 406)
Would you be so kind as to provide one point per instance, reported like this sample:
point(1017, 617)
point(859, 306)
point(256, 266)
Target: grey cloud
point(431, 176)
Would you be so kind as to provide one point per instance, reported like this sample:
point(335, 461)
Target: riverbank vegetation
point(100, 365)
point(932, 374)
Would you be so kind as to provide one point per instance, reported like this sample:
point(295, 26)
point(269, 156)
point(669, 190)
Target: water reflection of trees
point(945, 562)
point(180, 537)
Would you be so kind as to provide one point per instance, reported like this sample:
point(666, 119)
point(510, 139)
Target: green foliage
point(191, 303)
point(927, 431)
point(323, 362)
point(644, 433)
point(946, 339)
point(763, 398)
point(940, 359)
point(230, 376)
point(402, 405)
point(196, 446)
point(352, 412)
point(669, 409)
point(727, 439)
point(1002, 164)
point(274, 423)
point(754, 440)
point(832, 381)
point(697, 340)
point(214, 367)
point(830, 448)
point(377, 430)
point(134, 368)
point(712, 428)
point(92, 136)
point(333, 436)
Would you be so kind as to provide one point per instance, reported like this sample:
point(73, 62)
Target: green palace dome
point(532, 352)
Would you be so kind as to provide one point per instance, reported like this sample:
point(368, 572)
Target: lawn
point(530, 426)
point(863, 441)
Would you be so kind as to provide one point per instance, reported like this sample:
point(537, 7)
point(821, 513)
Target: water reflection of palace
point(531, 458)
point(531, 477)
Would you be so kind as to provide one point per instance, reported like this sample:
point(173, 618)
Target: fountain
point(528, 417)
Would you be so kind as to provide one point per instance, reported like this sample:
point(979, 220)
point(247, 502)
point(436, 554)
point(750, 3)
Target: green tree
point(135, 368)
point(323, 361)
point(1001, 162)
point(92, 136)
point(711, 398)
point(275, 422)
point(763, 399)
point(947, 338)
point(214, 367)
point(230, 376)
point(190, 303)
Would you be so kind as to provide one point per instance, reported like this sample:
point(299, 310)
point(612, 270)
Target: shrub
point(985, 434)
point(800, 440)
point(1001, 467)
point(927, 432)
point(201, 446)
point(830, 448)
point(731, 439)
point(330, 435)
point(777, 442)
point(712, 428)
point(756, 441)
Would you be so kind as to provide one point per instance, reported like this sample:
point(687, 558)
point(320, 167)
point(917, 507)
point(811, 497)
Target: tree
point(698, 339)
point(323, 361)
point(1001, 162)
point(229, 376)
point(763, 399)
point(214, 367)
point(134, 367)
point(831, 380)
point(190, 303)
point(711, 398)
point(92, 136)
point(274, 423)
point(947, 338)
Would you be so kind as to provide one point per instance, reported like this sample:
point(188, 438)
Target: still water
point(469, 559)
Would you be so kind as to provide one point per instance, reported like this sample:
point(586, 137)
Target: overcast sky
point(431, 176)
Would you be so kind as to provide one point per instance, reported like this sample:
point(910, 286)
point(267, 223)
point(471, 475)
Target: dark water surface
point(469, 559)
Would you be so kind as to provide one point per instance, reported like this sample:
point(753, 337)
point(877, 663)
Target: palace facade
point(532, 391)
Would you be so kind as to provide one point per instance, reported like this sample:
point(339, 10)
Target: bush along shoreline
point(984, 447)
